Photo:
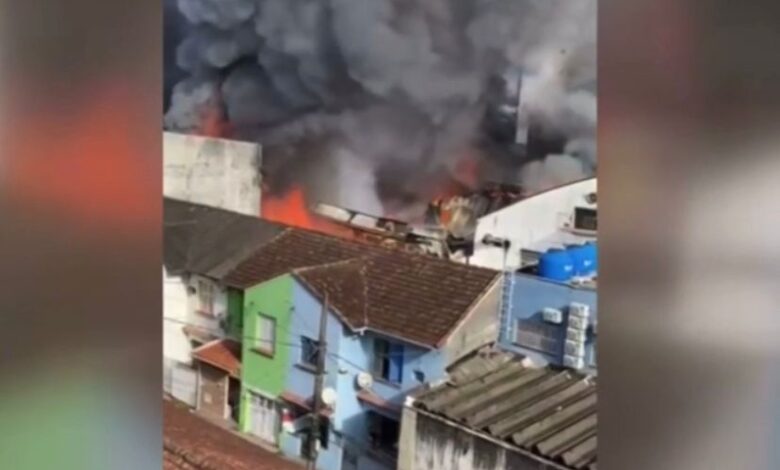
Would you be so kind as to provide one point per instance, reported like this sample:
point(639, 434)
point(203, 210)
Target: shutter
point(396, 352)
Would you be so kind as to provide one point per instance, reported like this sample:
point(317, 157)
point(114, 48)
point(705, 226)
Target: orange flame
point(291, 209)
point(212, 123)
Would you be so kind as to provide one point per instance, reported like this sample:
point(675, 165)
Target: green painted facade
point(235, 316)
point(261, 372)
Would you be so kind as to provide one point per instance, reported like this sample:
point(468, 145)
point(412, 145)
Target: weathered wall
point(438, 446)
point(478, 328)
point(528, 221)
point(175, 344)
point(212, 398)
point(179, 310)
point(214, 172)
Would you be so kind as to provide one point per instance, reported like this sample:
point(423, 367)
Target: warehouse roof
point(548, 412)
point(416, 297)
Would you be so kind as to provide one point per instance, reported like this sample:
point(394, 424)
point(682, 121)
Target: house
point(394, 322)
point(550, 322)
point(496, 412)
point(201, 245)
point(510, 238)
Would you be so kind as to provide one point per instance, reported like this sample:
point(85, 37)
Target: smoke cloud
point(389, 93)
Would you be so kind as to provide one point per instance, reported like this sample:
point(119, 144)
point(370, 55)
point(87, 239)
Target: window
point(310, 352)
point(585, 219)
point(205, 297)
point(266, 335)
point(383, 432)
point(388, 360)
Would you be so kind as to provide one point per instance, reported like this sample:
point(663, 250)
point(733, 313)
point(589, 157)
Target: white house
point(194, 308)
point(201, 245)
point(554, 217)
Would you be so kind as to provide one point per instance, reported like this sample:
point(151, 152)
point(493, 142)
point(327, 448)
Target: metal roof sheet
point(548, 412)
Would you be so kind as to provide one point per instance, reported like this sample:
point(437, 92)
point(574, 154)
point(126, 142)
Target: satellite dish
point(329, 397)
point(364, 380)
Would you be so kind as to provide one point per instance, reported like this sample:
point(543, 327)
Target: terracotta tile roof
point(224, 354)
point(415, 297)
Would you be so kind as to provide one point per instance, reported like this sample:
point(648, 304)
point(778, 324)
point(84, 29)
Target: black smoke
point(370, 103)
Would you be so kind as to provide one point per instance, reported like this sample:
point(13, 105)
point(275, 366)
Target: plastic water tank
point(592, 257)
point(556, 264)
point(579, 255)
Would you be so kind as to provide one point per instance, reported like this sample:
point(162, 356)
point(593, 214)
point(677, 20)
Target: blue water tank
point(592, 256)
point(556, 264)
point(579, 254)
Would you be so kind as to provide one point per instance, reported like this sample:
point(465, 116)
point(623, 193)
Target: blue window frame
point(388, 360)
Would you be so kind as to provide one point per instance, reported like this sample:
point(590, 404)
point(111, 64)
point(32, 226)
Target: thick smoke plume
point(375, 104)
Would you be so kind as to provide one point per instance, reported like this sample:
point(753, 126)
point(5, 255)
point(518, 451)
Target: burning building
point(383, 106)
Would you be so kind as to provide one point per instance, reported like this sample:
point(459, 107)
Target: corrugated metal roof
point(549, 412)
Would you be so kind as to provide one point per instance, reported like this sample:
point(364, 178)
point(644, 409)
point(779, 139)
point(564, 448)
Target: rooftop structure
point(216, 172)
point(515, 236)
point(495, 408)
point(415, 297)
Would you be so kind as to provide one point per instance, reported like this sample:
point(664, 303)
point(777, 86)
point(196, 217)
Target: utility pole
point(322, 350)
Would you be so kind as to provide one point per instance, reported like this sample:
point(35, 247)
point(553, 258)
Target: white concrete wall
point(179, 310)
point(214, 172)
point(528, 221)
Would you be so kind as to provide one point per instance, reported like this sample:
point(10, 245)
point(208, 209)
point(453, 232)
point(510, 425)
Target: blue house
point(395, 321)
point(388, 334)
point(550, 322)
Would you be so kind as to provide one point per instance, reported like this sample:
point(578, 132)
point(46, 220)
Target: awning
point(224, 354)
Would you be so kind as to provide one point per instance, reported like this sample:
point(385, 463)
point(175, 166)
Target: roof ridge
point(331, 264)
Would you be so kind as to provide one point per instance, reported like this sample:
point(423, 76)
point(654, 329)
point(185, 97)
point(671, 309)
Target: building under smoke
point(384, 105)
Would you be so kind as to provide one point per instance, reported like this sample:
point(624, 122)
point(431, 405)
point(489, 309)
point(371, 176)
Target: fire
point(291, 209)
point(213, 122)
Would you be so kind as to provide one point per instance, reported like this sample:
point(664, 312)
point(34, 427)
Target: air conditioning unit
point(552, 315)
point(573, 362)
point(579, 310)
point(575, 335)
point(578, 323)
point(574, 348)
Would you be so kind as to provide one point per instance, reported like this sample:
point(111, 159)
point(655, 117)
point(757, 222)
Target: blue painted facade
point(524, 329)
point(350, 353)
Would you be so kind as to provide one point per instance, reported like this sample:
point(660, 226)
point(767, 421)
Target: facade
point(550, 322)
point(219, 373)
point(215, 172)
point(194, 309)
point(498, 413)
point(395, 320)
point(549, 214)
point(201, 244)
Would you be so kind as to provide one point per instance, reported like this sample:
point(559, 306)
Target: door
point(263, 418)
